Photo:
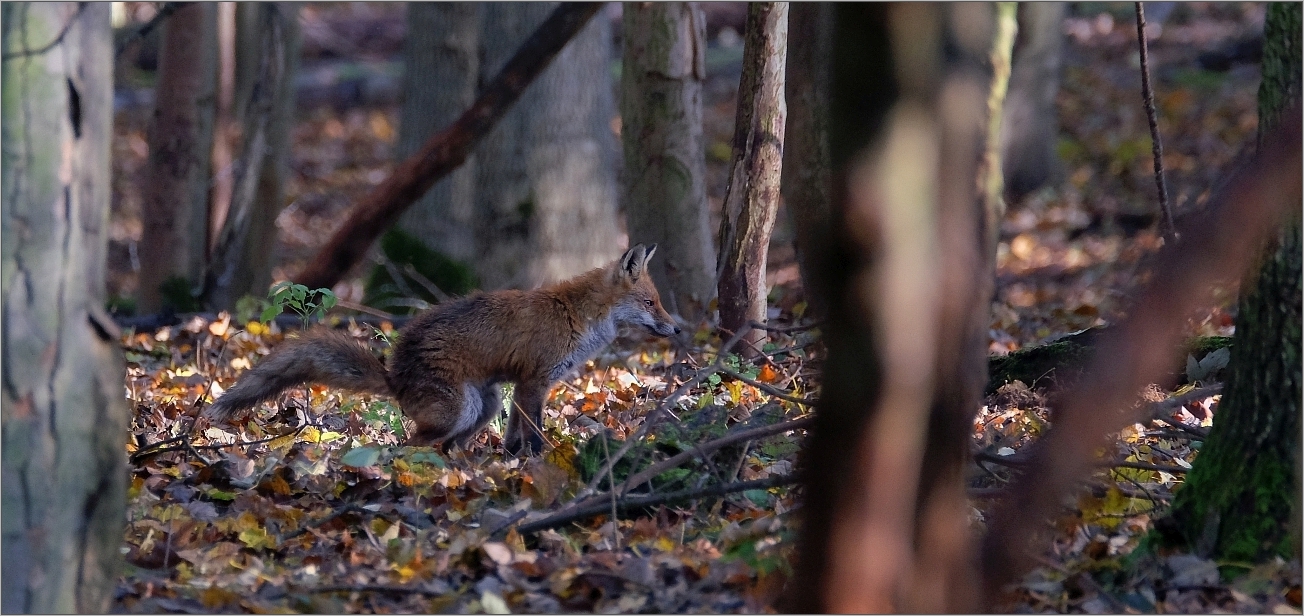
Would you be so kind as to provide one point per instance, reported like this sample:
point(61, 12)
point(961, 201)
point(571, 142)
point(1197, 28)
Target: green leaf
point(217, 494)
point(270, 313)
point(761, 498)
point(361, 456)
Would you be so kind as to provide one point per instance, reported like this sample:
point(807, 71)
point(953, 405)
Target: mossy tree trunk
point(665, 161)
point(752, 198)
point(1240, 500)
point(64, 415)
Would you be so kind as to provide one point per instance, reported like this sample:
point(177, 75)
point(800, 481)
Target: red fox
point(449, 361)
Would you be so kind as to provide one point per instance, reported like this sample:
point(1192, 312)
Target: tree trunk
point(442, 60)
point(255, 268)
point(807, 176)
point(885, 524)
point(546, 177)
point(173, 245)
point(446, 150)
point(665, 159)
point(242, 253)
point(64, 414)
point(1031, 124)
point(752, 197)
point(1241, 499)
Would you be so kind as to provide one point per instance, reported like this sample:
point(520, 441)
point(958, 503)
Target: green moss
point(1062, 361)
point(401, 249)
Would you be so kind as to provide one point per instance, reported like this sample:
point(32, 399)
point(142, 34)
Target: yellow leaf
point(665, 544)
point(311, 434)
point(283, 442)
point(401, 465)
point(256, 328)
point(257, 538)
point(735, 391)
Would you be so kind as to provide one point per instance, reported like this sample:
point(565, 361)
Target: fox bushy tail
point(321, 356)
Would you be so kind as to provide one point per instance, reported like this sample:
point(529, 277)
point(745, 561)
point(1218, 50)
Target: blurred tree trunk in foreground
point(752, 197)
point(173, 247)
point(885, 524)
point(1031, 125)
point(665, 159)
point(1241, 500)
point(807, 179)
point(546, 176)
point(64, 414)
point(267, 42)
point(442, 59)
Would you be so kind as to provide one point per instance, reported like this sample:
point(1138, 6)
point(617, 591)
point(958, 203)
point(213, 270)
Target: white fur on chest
point(599, 335)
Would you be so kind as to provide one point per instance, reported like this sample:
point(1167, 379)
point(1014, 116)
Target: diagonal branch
point(1218, 245)
point(446, 150)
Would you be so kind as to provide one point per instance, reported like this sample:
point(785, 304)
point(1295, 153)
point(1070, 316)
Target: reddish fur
point(524, 337)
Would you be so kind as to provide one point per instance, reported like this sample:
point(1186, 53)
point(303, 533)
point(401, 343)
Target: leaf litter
point(316, 506)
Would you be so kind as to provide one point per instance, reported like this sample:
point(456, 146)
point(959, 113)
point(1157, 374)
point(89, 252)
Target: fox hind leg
point(490, 406)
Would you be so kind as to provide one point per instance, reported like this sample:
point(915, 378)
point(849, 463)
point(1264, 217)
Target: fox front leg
point(525, 426)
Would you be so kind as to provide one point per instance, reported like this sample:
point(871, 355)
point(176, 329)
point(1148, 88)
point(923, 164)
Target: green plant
point(296, 297)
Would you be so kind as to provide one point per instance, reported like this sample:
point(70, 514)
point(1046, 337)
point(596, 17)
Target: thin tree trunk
point(1241, 499)
point(442, 59)
point(241, 254)
point(64, 414)
point(546, 190)
point(1031, 123)
point(175, 209)
point(807, 175)
point(752, 198)
point(254, 271)
point(665, 161)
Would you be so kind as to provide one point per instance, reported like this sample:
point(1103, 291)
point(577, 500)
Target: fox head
point(639, 302)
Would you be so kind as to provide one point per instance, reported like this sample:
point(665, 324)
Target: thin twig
point(1156, 145)
point(163, 13)
point(611, 481)
point(635, 502)
point(773, 391)
point(711, 446)
point(52, 44)
point(347, 508)
point(434, 289)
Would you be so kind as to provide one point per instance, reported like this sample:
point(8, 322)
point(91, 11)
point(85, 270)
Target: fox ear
point(634, 262)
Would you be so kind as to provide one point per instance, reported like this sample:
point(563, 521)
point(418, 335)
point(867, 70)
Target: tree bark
point(546, 188)
point(1031, 123)
point(445, 151)
point(1241, 499)
point(664, 68)
point(64, 414)
point(807, 175)
point(241, 258)
point(442, 59)
point(175, 208)
point(254, 270)
point(752, 197)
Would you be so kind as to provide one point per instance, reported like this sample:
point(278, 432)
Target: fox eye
point(649, 303)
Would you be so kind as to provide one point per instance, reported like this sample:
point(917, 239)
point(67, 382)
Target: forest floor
point(314, 506)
